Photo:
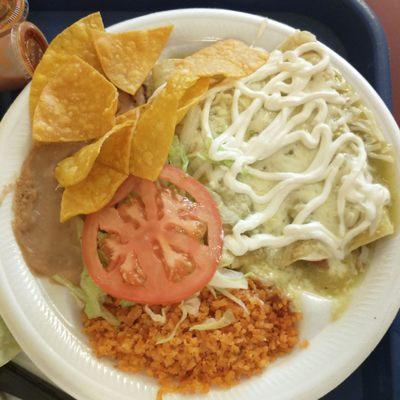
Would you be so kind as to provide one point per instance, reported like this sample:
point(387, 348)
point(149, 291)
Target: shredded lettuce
point(225, 278)
point(211, 323)
point(8, 346)
point(160, 318)
point(94, 300)
point(233, 298)
point(258, 277)
point(91, 296)
point(126, 303)
point(189, 306)
point(200, 154)
point(192, 305)
point(213, 292)
point(179, 323)
point(177, 154)
point(227, 259)
point(76, 291)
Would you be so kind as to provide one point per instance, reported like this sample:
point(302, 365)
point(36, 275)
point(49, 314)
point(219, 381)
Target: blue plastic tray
point(347, 26)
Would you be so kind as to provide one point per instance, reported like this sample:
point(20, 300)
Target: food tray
point(349, 28)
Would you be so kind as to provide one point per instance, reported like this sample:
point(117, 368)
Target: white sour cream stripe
point(290, 84)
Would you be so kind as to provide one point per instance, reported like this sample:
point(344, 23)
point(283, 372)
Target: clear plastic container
point(22, 45)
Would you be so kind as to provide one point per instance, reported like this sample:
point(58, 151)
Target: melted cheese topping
point(292, 89)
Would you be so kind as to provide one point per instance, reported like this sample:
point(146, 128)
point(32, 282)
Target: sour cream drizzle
point(289, 85)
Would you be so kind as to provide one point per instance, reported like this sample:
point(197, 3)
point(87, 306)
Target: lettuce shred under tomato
point(90, 295)
point(177, 155)
point(159, 318)
point(93, 298)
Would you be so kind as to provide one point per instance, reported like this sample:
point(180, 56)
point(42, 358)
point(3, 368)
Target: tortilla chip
point(295, 40)
point(153, 136)
point(76, 168)
point(224, 59)
point(192, 96)
point(164, 69)
point(77, 104)
point(116, 150)
point(127, 58)
point(228, 58)
point(156, 127)
point(179, 84)
point(91, 194)
point(131, 116)
point(104, 177)
point(75, 40)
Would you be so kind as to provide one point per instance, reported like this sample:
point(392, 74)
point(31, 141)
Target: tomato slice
point(158, 246)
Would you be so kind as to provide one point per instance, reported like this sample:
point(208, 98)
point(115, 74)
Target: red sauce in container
point(22, 45)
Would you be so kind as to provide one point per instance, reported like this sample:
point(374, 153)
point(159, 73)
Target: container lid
point(31, 45)
point(12, 12)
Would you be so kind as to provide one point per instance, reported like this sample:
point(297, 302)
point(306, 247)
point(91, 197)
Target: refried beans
point(48, 246)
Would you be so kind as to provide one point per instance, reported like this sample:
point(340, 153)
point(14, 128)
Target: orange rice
point(194, 360)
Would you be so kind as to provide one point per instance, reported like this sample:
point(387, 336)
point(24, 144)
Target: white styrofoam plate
point(45, 319)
